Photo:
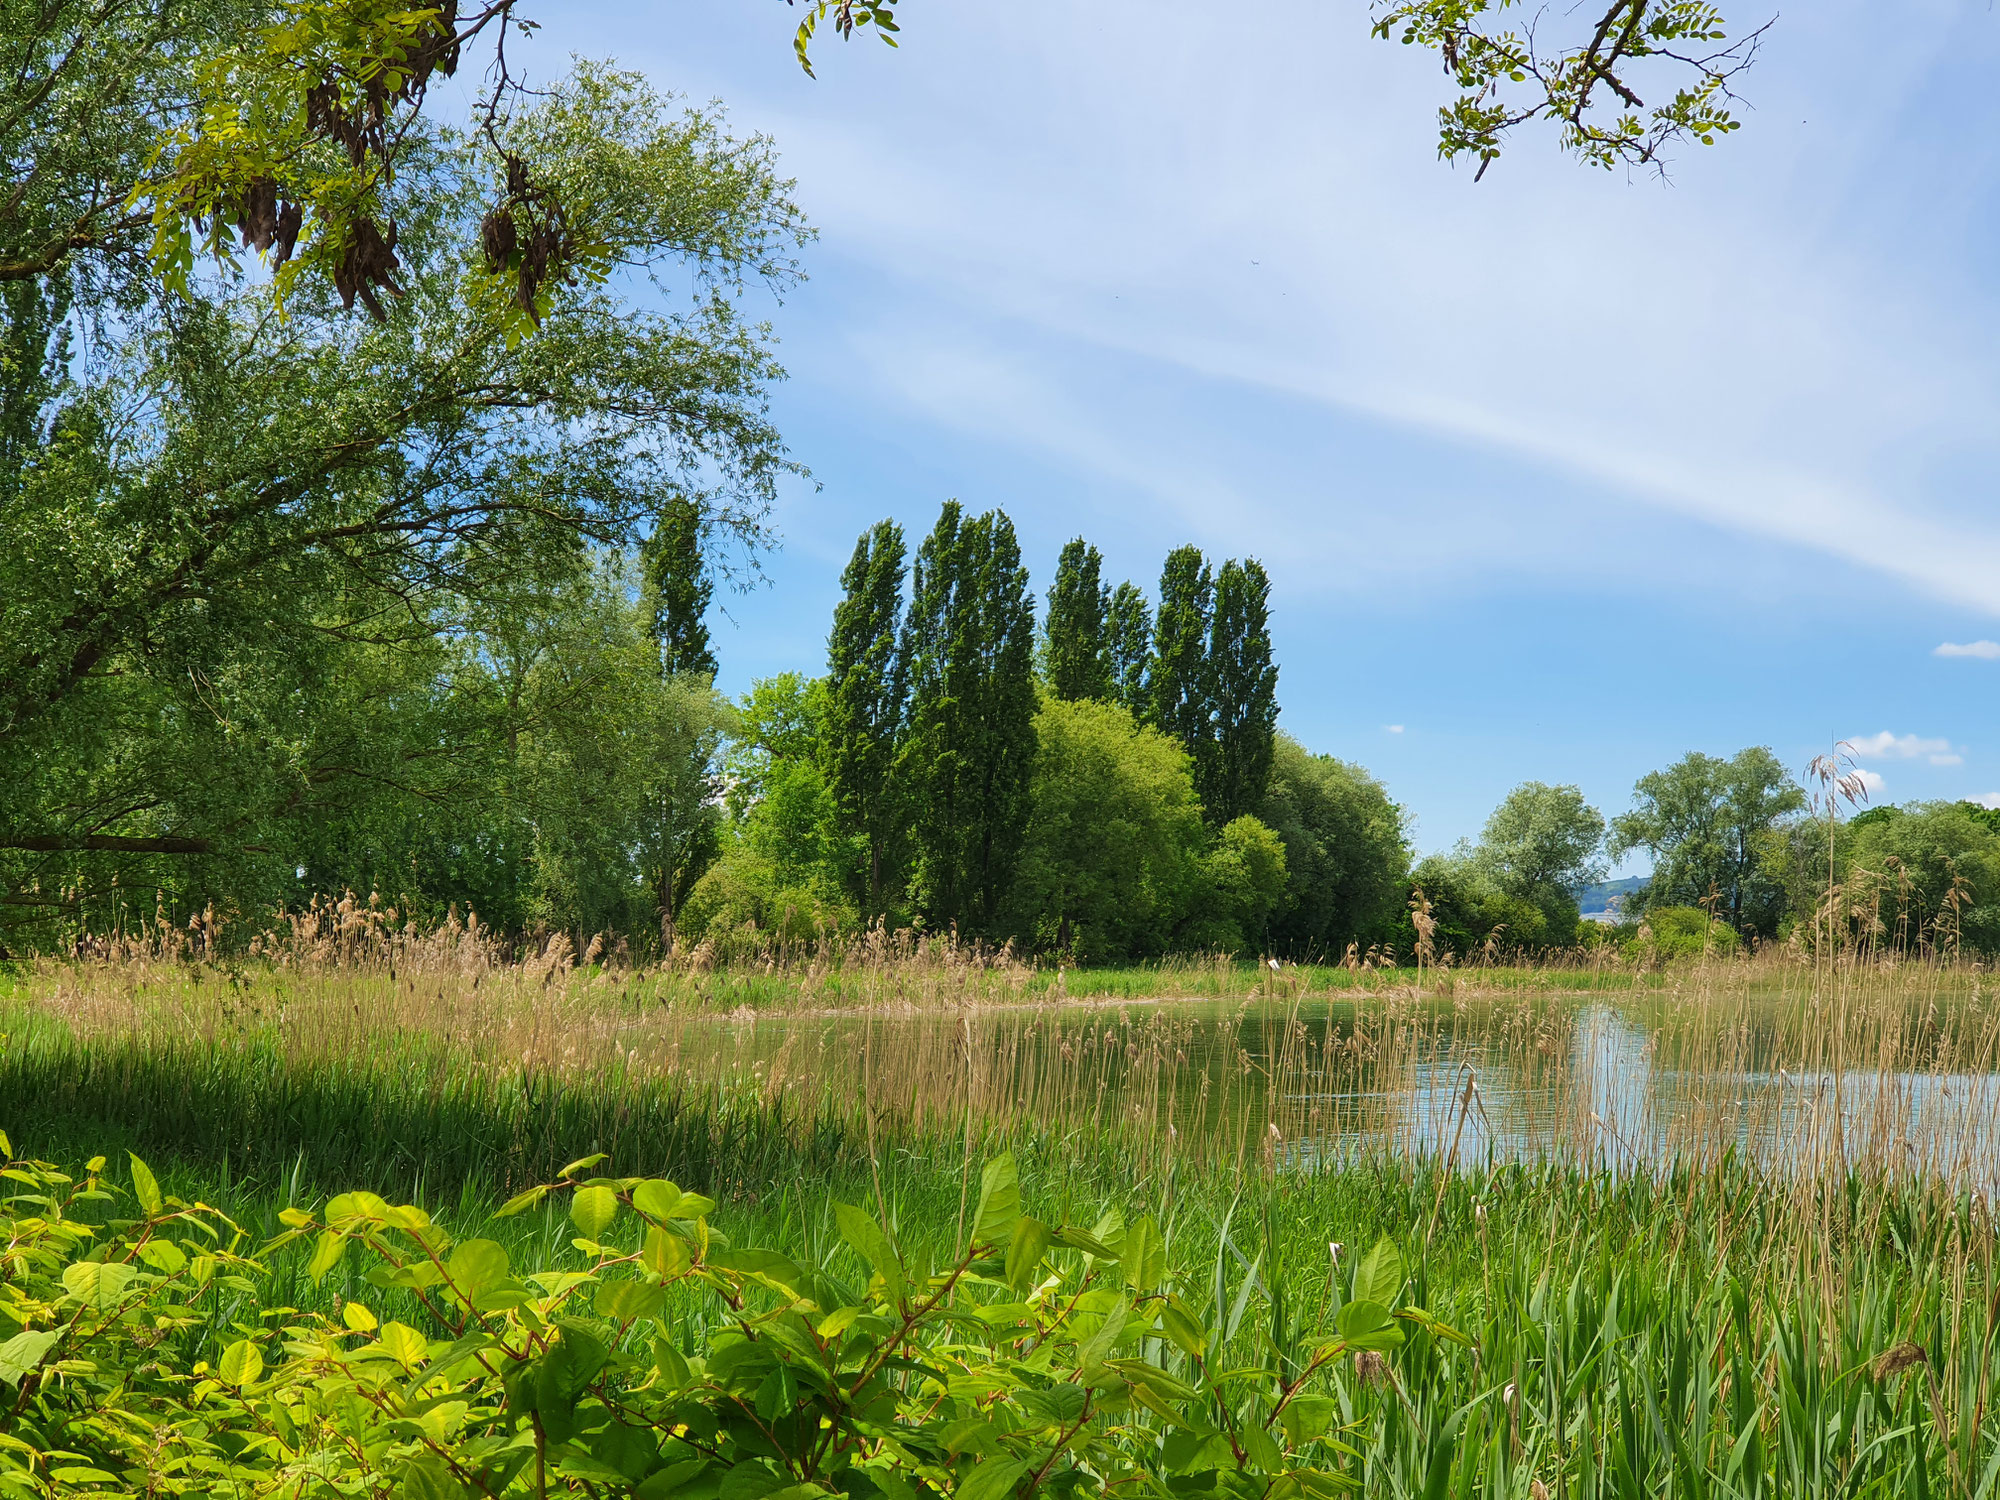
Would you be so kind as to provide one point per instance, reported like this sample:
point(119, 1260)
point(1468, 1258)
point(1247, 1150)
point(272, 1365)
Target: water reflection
point(1596, 1084)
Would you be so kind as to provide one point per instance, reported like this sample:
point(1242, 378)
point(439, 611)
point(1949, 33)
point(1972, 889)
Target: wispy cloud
point(1393, 728)
point(1872, 780)
point(1983, 650)
point(1986, 799)
point(1888, 746)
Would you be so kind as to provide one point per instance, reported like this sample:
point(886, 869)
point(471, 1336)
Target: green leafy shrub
point(1671, 932)
point(146, 1357)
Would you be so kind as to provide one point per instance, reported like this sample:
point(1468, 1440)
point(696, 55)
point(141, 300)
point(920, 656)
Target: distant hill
point(1605, 899)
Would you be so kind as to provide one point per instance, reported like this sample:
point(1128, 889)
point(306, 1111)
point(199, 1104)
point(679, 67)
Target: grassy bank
point(1725, 1321)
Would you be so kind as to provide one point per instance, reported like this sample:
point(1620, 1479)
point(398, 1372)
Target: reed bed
point(1725, 1229)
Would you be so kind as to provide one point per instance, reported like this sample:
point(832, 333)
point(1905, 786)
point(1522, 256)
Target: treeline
point(1110, 785)
point(1741, 854)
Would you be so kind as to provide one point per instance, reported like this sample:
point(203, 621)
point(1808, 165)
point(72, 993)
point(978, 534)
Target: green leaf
point(145, 1187)
point(584, 1162)
point(1433, 1325)
point(477, 1266)
point(97, 1284)
point(1182, 1329)
point(1379, 1277)
point(1091, 1355)
point(1076, 1239)
point(23, 1352)
point(326, 1255)
point(861, 1231)
point(1144, 1257)
point(657, 1200)
point(592, 1210)
point(664, 1254)
point(520, 1202)
point(403, 1344)
point(628, 1301)
point(240, 1364)
point(1367, 1325)
point(999, 1201)
point(992, 1480)
point(1261, 1449)
point(1025, 1249)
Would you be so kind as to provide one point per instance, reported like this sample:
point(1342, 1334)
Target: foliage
point(1935, 872)
point(1076, 650)
point(1041, 1357)
point(1543, 839)
point(1180, 696)
point(1244, 876)
point(787, 864)
point(1706, 821)
point(1129, 638)
point(1476, 920)
point(1671, 932)
point(1111, 860)
point(969, 751)
point(867, 691)
point(1346, 851)
point(252, 559)
point(1244, 680)
point(1587, 86)
point(616, 771)
point(677, 581)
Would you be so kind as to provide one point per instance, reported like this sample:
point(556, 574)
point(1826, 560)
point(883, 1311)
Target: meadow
point(1714, 1229)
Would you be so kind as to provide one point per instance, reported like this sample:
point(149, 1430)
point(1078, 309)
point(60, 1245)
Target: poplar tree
point(1243, 680)
point(1180, 694)
point(1076, 654)
point(677, 578)
point(1128, 630)
point(969, 752)
point(865, 701)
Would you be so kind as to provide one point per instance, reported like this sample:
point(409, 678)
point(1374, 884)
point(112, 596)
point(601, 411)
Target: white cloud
point(1393, 728)
point(1985, 799)
point(1983, 650)
point(1887, 746)
point(1292, 235)
point(1871, 781)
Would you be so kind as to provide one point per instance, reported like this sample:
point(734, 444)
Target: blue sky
point(1558, 476)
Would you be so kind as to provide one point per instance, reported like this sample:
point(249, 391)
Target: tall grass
point(1717, 1230)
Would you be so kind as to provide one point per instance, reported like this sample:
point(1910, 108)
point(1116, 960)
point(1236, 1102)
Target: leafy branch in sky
point(1586, 83)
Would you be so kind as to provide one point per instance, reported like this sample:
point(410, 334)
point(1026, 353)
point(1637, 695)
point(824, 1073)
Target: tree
point(1347, 856)
point(679, 588)
point(1243, 886)
point(1244, 683)
point(158, 130)
point(786, 862)
point(1587, 83)
point(866, 700)
point(1542, 843)
point(1111, 857)
point(615, 771)
point(1129, 639)
point(1181, 694)
point(1076, 649)
point(228, 518)
point(1705, 821)
point(1930, 872)
point(969, 752)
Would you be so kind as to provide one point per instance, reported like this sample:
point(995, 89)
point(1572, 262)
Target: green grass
point(1683, 1333)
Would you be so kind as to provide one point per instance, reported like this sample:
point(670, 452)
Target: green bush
point(1671, 932)
point(149, 1356)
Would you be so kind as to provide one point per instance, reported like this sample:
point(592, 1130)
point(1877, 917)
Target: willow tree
point(233, 538)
